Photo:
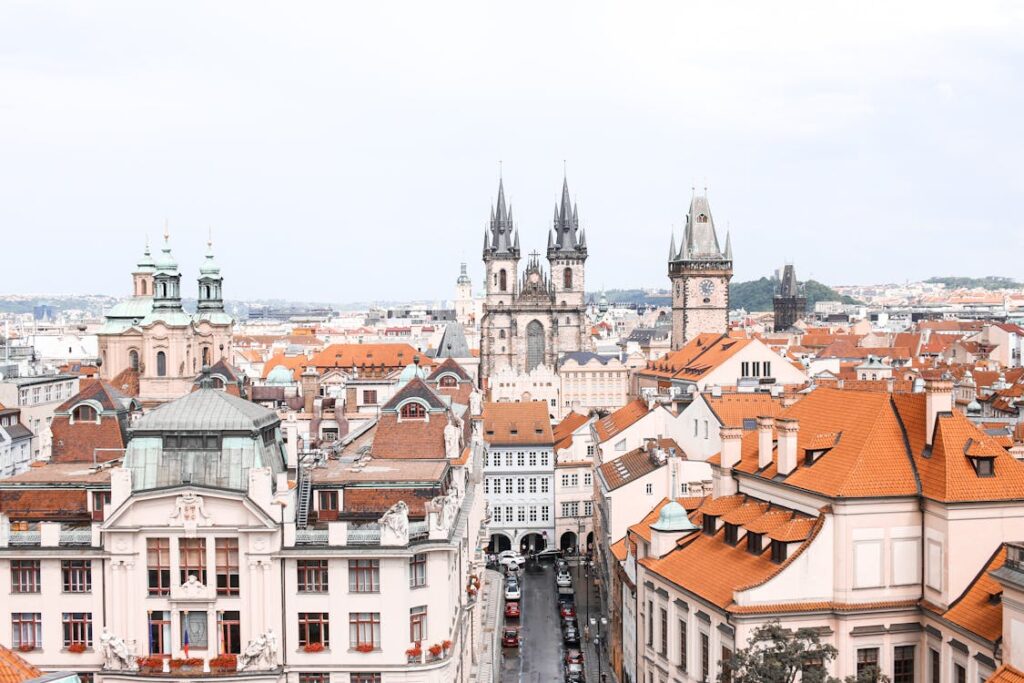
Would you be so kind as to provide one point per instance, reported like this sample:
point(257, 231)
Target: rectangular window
point(574, 480)
point(903, 664)
point(314, 677)
point(418, 624)
point(364, 678)
point(364, 576)
point(100, 501)
point(664, 632)
point(24, 576)
point(754, 543)
point(229, 639)
point(194, 625)
point(496, 515)
point(76, 576)
point(26, 630)
point(192, 559)
point(565, 509)
point(328, 508)
point(682, 645)
point(520, 513)
point(487, 485)
point(649, 489)
point(959, 673)
point(314, 628)
point(590, 451)
point(543, 459)
point(364, 629)
point(544, 485)
point(508, 485)
point(159, 632)
point(778, 552)
point(533, 513)
point(418, 570)
point(705, 656)
point(521, 459)
point(508, 459)
point(533, 459)
point(867, 660)
point(588, 479)
point(226, 551)
point(588, 508)
point(312, 576)
point(565, 480)
point(650, 623)
point(767, 366)
point(726, 676)
point(936, 665)
point(544, 513)
point(509, 515)
point(533, 484)
point(520, 485)
point(369, 397)
point(732, 533)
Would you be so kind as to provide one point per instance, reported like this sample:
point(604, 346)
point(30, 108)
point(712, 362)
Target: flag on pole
point(184, 637)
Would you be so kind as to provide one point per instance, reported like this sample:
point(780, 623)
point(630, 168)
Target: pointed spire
point(551, 239)
point(672, 248)
point(516, 247)
point(728, 246)
point(583, 239)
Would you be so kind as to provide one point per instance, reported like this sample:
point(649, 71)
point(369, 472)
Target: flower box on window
point(77, 648)
point(224, 663)
point(364, 647)
point(314, 647)
point(26, 648)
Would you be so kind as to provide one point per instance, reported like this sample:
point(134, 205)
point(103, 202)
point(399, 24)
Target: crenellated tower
point(700, 272)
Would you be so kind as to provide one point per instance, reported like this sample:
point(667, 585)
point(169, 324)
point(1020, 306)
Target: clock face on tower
point(707, 288)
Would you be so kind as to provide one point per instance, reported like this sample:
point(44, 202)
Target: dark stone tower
point(790, 302)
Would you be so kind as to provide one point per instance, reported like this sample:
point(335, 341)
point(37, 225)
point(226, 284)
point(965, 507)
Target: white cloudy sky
point(349, 151)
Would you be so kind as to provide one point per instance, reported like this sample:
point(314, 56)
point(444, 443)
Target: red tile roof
point(518, 424)
point(624, 417)
point(563, 430)
point(974, 610)
point(1006, 674)
point(14, 669)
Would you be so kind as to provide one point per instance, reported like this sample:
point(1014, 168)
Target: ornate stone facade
point(700, 273)
point(150, 335)
point(534, 319)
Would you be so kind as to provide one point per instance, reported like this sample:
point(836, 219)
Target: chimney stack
point(764, 441)
point(788, 429)
point(732, 443)
point(310, 388)
point(938, 398)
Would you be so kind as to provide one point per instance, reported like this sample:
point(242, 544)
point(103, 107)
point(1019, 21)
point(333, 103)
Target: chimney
point(788, 400)
point(788, 429)
point(310, 388)
point(938, 398)
point(764, 441)
point(716, 391)
point(732, 442)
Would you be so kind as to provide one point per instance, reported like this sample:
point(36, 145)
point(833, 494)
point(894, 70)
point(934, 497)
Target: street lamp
point(598, 623)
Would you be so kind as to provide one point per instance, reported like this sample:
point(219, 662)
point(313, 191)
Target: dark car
point(510, 638)
point(573, 656)
point(511, 610)
point(570, 634)
point(574, 673)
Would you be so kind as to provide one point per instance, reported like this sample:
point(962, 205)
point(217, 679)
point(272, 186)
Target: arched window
point(448, 381)
point(161, 364)
point(217, 382)
point(567, 278)
point(206, 291)
point(84, 413)
point(413, 411)
point(502, 280)
point(701, 218)
point(534, 345)
point(133, 360)
point(206, 355)
point(145, 288)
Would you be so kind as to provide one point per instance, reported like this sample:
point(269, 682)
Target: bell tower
point(501, 253)
point(700, 272)
point(567, 252)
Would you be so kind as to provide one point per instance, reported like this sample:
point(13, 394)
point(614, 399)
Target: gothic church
point(534, 319)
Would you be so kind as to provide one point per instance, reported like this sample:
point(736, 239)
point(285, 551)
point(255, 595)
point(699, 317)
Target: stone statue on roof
point(394, 525)
point(452, 441)
point(476, 402)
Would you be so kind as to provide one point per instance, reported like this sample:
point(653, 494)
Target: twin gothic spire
point(565, 239)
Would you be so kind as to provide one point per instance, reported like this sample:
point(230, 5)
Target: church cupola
point(142, 278)
point(166, 279)
point(210, 283)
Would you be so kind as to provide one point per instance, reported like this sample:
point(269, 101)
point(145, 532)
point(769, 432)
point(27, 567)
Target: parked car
point(567, 610)
point(561, 564)
point(563, 579)
point(574, 673)
point(510, 637)
point(570, 633)
point(507, 557)
point(512, 591)
point(511, 610)
point(573, 656)
point(549, 554)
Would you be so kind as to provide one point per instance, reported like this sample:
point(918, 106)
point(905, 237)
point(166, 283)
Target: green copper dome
point(673, 517)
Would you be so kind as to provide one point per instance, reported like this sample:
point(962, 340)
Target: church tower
point(142, 278)
point(211, 297)
point(501, 253)
point(166, 281)
point(789, 303)
point(464, 298)
point(700, 273)
point(567, 252)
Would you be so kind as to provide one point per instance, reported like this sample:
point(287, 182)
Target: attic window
point(513, 429)
point(995, 598)
point(84, 413)
point(413, 411)
point(731, 534)
point(448, 381)
point(710, 524)
point(984, 467)
point(811, 455)
point(749, 423)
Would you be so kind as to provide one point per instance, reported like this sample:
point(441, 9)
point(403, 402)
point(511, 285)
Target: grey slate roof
point(584, 357)
point(501, 238)
point(453, 342)
point(207, 410)
point(700, 241)
point(565, 238)
point(415, 388)
point(17, 431)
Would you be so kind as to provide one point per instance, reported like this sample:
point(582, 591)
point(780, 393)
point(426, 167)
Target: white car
point(508, 557)
point(563, 580)
point(512, 591)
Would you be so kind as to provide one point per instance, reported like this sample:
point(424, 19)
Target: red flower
point(76, 647)
point(364, 647)
point(314, 647)
point(26, 647)
point(447, 644)
point(224, 662)
point(435, 650)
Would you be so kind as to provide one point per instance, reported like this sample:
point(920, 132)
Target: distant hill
point(756, 295)
point(988, 282)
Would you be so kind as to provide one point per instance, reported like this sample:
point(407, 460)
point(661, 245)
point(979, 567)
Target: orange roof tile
point(14, 669)
point(619, 549)
point(732, 409)
point(609, 426)
point(564, 429)
point(974, 610)
point(702, 354)
point(1006, 674)
point(517, 424)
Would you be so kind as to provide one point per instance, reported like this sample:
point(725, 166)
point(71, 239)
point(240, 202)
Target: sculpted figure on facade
point(394, 525)
point(260, 654)
point(190, 512)
point(452, 441)
point(116, 655)
point(476, 402)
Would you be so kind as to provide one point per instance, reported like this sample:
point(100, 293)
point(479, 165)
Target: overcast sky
point(349, 151)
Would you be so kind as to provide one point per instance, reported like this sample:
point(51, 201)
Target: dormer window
point(448, 381)
point(779, 552)
point(732, 533)
point(413, 411)
point(84, 413)
point(812, 455)
point(984, 467)
point(754, 543)
point(710, 524)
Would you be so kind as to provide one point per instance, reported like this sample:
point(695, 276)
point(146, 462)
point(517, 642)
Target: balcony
point(49, 535)
point(345, 534)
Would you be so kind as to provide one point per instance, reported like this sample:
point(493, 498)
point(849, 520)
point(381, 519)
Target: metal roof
point(207, 410)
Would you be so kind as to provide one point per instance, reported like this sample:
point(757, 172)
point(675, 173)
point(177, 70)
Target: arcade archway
point(532, 543)
point(499, 543)
point(568, 540)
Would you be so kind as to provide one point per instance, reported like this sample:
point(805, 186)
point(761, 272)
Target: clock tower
point(700, 272)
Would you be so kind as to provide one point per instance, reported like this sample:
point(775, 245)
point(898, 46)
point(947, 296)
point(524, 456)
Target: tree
point(777, 655)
